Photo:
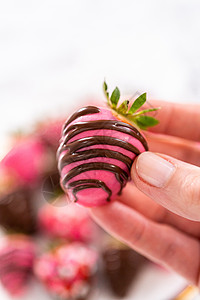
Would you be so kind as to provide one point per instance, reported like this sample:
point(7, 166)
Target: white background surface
point(55, 53)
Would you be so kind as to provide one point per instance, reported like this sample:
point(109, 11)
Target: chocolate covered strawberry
point(24, 163)
point(72, 223)
point(121, 265)
point(17, 253)
point(98, 147)
point(49, 132)
point(67, 271)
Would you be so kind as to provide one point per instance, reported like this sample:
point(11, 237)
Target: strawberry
point(121, 266)
point(17, 253)
point(17, 211)
point(24, 163)
point(67, 271)
point(49, 132)
point(72, 223)
point(98, 147)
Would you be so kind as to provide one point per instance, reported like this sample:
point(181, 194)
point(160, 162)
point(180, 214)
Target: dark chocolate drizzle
point(89, 183)
point(98, 140)
point(73, 153)
point(88, 110)
point(116, 125)
point(93, 153)
point(120, 174)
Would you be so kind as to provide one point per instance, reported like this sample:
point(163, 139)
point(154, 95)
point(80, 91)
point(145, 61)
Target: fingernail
point(154, 169)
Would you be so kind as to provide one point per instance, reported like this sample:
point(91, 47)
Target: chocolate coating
point(82, 112)
point(73, 154)
point(89, 183)
point(120, 267)
point(17, 212)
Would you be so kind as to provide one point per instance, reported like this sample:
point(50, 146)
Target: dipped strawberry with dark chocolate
point(98, 147)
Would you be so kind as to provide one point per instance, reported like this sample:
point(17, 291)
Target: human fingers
point(185, 150)
point(140, 202)
point(181, 120)
point(170, 182)
point(158, 242)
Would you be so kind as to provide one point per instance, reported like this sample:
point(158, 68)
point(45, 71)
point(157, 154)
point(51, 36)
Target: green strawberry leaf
point(137, 118)
point(115, 97)
point(145, 121)
point(137, 103)
point(141, 112)
point(123, 107)
point(105, 89)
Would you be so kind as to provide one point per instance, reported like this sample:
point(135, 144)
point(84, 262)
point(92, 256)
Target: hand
point(166, 230)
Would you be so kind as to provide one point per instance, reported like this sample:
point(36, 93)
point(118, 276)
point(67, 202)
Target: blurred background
point(54, 55)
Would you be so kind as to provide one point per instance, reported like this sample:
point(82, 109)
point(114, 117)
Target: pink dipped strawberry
point(72, 223)
point(24, 163)
point(67, 271)
point(49, 132)
point(98, 147)
point(17, 253)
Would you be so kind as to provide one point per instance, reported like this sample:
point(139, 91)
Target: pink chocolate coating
point(50, 132)
point(72, 223)
point(97, 195)
point(25, 161)
point(17, 253)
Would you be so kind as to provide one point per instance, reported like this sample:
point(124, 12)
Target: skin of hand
point(158, 213)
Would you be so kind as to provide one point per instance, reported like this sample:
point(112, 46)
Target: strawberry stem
point(131, 115)
point(141, 112)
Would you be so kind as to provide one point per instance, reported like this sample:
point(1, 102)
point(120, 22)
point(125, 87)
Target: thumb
point(170, 182)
